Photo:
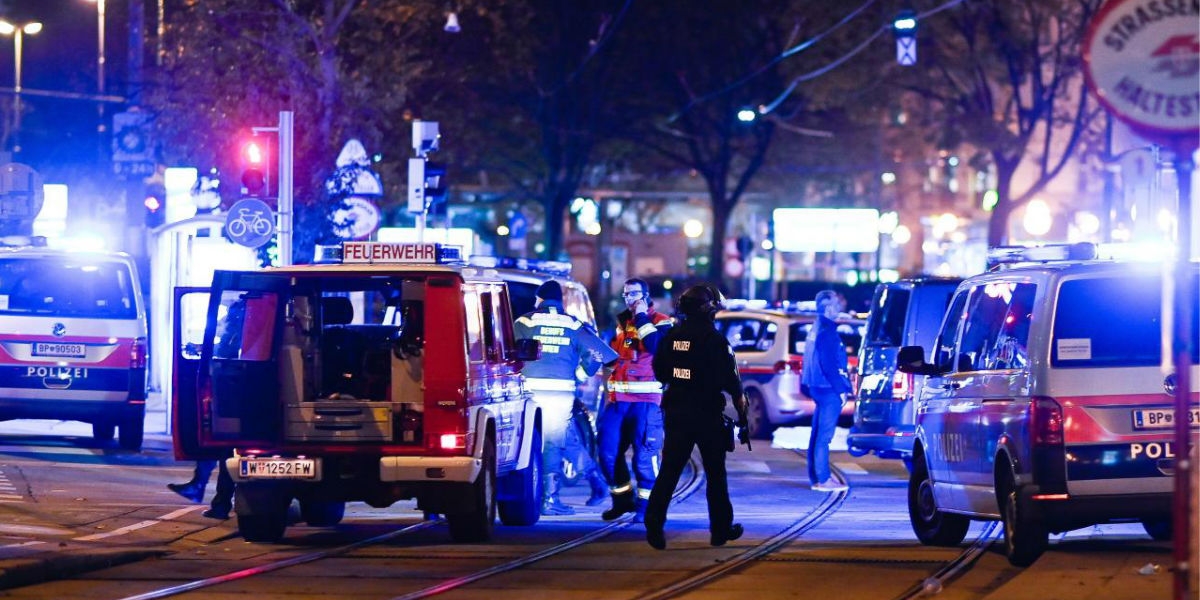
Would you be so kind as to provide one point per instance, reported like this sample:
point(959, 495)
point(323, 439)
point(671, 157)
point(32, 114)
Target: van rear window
point(886, 324)
point(67, 286)
point(1111, 322)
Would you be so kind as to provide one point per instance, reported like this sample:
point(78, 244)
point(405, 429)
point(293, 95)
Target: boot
point(734, 532)
point(551, 505)
point(639, 511)
point(621, 503)
point(599, 488)
point(654, 534)
point(191, 490)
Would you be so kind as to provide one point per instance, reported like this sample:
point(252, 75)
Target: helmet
point(703, 300)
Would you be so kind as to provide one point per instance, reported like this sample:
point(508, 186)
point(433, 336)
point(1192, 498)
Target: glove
point(744, 433)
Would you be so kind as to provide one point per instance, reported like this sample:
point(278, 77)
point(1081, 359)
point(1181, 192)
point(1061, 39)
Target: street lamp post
point(18, 33)
point(100, 60)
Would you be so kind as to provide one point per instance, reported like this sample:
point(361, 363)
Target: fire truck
point(389, 374)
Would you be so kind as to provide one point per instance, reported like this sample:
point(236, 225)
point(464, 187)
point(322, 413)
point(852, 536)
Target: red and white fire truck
point(390, 375)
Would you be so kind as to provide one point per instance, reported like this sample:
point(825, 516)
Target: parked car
point(903, 313)
point(769, 347)
point(1045, 405)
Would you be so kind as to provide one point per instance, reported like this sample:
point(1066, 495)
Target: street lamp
point(18, 33)
point(100, 59)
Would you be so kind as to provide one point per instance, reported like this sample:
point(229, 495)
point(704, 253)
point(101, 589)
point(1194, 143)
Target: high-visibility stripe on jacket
point(636, 340)
point(567, 344)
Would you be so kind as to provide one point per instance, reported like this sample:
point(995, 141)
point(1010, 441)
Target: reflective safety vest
point(636, 340)
point(567, 343)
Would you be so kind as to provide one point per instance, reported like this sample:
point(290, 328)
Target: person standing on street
point(824, 379)
point(567, 343)
point(193, 490)
point(696, 367)
point(631, 417)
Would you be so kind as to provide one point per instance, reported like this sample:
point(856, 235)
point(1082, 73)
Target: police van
point(390, 375)
point(1045, 403)
point(73, 341)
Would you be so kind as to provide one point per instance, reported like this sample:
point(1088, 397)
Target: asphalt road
point(79, 520)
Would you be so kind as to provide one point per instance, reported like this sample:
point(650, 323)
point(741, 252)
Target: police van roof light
point(1050, 252)
point(549, 267)
point(16, 241)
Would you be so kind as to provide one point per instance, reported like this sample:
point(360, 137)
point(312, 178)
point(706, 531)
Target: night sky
point(59, 136)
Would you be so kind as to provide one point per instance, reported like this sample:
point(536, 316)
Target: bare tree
point(1006, 77)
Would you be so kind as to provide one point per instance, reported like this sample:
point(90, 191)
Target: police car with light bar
point(389, 374)
point(73, 341)
point(1045, 403)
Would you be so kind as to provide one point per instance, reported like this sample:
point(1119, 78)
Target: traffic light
point(156, 209)
point(426, 185)
point(905, 28)
point(254, 169)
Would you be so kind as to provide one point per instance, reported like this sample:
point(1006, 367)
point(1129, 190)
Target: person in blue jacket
point(567, 344)
point(824, 379)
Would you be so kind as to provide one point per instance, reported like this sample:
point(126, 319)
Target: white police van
point(392, 374)
point(73, 339)
point(1046, 405)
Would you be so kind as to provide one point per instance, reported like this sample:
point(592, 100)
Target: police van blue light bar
point(411, 253)
point(1002, 255)
point(549, 267)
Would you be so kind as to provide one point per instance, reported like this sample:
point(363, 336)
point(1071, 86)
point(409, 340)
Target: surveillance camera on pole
point(426, 180)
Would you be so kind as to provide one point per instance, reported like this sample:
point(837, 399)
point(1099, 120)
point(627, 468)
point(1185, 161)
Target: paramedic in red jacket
point(631, 416)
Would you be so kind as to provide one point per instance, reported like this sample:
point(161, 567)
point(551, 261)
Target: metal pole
point(1183, 343)
point(17, 37)
point(100, 59)
point(285, 187)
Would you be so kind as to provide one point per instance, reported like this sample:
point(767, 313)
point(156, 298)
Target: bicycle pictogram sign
point(250, 223)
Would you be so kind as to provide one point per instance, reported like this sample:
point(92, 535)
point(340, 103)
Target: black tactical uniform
point(696, 366)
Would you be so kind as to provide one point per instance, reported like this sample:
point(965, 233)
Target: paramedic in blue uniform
point(567, 344)
point(696, 367)
point(631, 416)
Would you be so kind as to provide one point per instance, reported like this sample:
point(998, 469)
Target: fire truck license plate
point(277, 468)
point(1162, 418)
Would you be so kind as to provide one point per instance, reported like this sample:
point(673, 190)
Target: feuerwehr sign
point(1142, 60)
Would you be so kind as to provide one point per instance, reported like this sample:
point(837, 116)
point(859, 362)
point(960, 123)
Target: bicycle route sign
point(250, 223)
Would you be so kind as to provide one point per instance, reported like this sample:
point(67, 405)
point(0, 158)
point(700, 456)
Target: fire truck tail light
point(137, 354)
point(452, 441)
point(1045, 421)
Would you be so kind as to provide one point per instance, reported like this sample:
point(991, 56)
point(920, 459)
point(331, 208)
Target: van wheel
point(1025, 536)
point(526, 508)
point(1159, 529)
point(131, 430)
point(322, 514)
point(262, 513)
point(103, 432)
point(756, 416)
point(932, 526)
point(477, 524)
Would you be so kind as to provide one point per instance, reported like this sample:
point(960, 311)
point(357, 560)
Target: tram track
point(690, 487)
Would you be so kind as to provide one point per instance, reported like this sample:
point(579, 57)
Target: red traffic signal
point(254, 168)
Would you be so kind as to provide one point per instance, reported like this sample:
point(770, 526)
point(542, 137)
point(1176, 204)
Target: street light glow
point(693, 228)
point(1037, 218)
point(32, 28)
point(747, 115)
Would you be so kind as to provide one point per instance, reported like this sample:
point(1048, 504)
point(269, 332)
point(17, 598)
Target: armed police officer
point(567, 344)
point(696, 367)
